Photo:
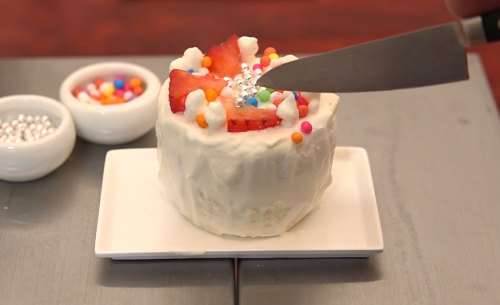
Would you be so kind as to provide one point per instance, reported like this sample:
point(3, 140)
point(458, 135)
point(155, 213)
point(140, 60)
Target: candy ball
point(264, 96)
point(297, 137)
point(119, 83)
point(306, 127)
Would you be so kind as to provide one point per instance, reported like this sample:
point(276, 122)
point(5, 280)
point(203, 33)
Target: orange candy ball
point(206, 61)
point(277, 102)
point(210, 94)
point(98, 82)
point(135, 82)
point(106, 100)
point(265, 60)
point(200, 119)
point(138, 90)
point(297, 137)
point(269, 50)
point(119, 100)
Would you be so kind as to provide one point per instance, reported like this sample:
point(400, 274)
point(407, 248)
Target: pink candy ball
point(306, 127)
point(257, 66)
point(119, 93)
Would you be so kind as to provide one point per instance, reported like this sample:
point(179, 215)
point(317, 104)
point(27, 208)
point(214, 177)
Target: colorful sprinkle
point(110, 92)
point(277, 102)
point(210, 94)
point(107, 89)
point(119, 83)
point(269, 50)
point(274, 56)
point(265, 60)
point(297, 137)
point(264, 96)
point(138, 90)
point(253, 101)
point(257, 67)
point(206, 61)
point(98, 82)
point(135, 82)
point(200, 119)
point(306, 127)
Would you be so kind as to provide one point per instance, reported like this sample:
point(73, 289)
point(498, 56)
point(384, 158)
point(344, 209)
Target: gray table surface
point(435, 161)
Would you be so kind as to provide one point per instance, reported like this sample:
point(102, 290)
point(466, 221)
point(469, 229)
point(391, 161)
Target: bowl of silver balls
point(37, 135)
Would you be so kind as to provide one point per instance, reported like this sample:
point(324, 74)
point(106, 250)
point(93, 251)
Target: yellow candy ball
point(274, 56)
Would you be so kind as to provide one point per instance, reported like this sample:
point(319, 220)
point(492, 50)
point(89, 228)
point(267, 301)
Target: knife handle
point(491, 26)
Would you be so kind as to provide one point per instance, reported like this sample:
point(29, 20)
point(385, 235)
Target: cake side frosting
point(253, 183)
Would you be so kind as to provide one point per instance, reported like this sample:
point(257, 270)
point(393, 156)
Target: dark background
point(160, 27)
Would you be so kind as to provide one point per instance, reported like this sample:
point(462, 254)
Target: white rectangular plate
point(136, 222)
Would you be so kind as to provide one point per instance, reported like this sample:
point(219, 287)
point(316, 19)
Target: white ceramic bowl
point(31, 160)
point(112, 124)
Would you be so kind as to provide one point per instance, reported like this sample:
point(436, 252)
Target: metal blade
point(426, 57)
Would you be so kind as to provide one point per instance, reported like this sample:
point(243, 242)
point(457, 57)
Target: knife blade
point(425, 57)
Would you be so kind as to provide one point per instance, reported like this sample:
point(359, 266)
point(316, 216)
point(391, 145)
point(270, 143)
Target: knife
point(429, 56)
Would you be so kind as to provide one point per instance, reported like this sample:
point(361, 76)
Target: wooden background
point(159, 27)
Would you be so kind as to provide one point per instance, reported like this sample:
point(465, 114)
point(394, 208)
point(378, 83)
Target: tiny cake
point(237, 159)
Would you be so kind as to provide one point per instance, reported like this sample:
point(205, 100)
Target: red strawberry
point(182, 82)
point(248, 117)
point(226, 59)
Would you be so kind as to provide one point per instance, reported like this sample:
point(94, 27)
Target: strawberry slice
point(247, 118)
point(226, 59)
point(182, 82)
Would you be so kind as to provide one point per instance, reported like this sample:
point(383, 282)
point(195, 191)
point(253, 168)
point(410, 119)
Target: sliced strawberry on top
point(226, 59)
point(182, 82)
point(248, 117)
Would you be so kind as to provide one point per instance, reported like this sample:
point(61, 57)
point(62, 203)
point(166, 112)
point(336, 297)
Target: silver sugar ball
point(240, 102)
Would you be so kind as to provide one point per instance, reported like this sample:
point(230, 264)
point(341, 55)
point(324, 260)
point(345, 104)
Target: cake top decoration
point(218, 89)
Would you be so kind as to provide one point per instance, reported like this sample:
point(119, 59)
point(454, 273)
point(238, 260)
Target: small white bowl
point(112, 124)
point(26, 161)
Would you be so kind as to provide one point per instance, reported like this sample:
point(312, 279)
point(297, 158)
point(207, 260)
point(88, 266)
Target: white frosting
point(254, 183)
point(275, 95)
point(288, 58)
point(195, 104)
point(215, 115)
point(248, 48)
point(227, 92)
point(190, 60)
point(288, 111)
point(275, 62)
point(313, 106)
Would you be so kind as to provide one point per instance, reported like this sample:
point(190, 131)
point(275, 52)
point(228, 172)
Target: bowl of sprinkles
point(111, 102)
point(37, 135)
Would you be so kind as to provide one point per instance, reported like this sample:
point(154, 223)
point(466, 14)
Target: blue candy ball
point(253, 101)
point(119, 83)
